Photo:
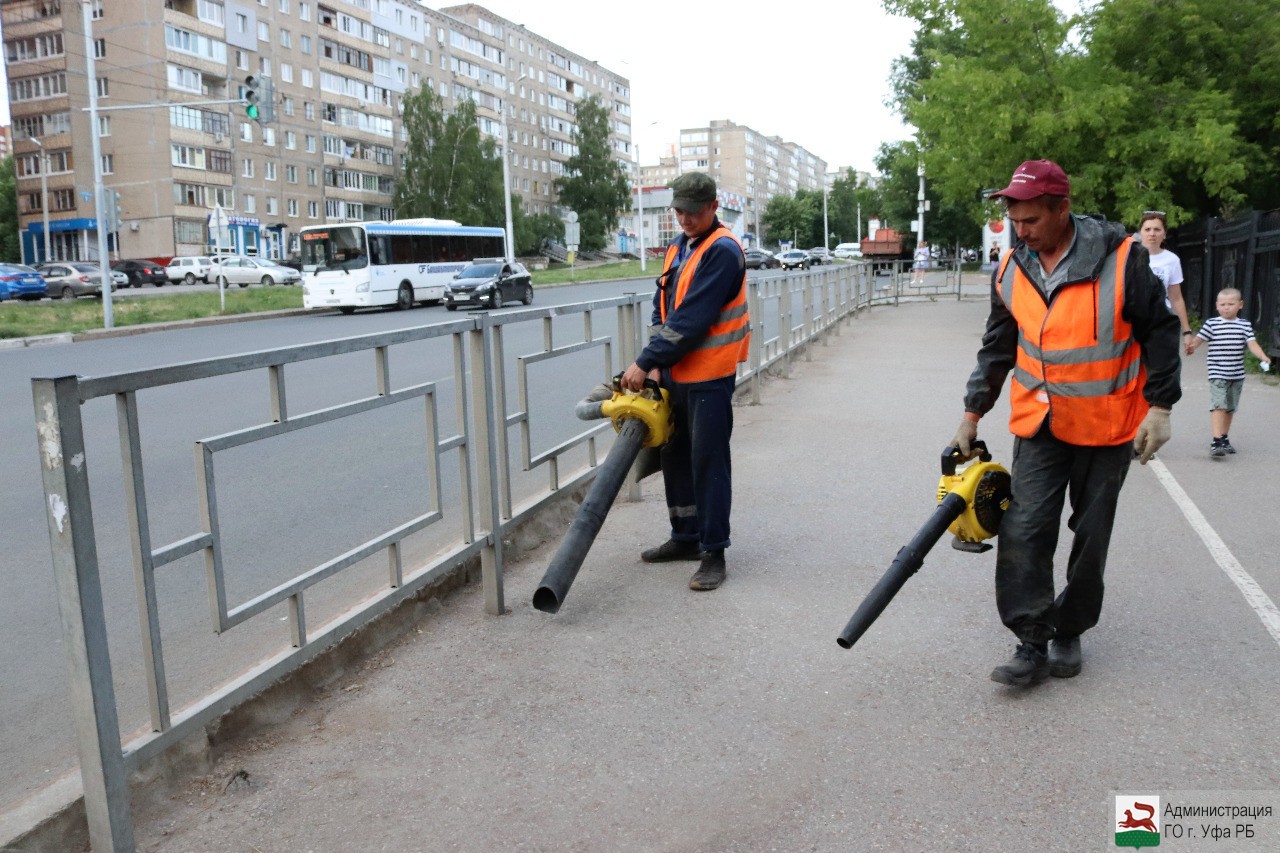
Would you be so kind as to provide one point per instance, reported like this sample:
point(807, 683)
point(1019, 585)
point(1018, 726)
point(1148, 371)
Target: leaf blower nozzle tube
point(908, 561)
point(590, 516)
point(591, 407)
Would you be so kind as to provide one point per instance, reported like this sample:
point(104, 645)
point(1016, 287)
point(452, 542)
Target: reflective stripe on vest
point(1077, 361)
point(727, 341)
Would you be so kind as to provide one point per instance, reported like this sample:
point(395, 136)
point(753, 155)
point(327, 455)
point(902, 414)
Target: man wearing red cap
point(1081, 322)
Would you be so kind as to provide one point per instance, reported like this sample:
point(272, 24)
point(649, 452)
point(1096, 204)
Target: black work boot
point(670, 551)
point(1064, 657)
point(1029, 664)
point(711, 573)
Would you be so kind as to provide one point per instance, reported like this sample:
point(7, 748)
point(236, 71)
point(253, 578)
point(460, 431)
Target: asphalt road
point(270, 490)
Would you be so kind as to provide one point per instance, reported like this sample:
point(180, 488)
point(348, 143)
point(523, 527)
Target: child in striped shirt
point(1227, 336)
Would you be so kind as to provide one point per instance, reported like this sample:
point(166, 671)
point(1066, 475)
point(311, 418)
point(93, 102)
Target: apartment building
point(6, 145)
point(339, 70)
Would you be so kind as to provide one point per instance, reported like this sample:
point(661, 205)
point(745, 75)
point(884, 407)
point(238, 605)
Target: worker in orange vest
point(1081, 323)
point(701, 332)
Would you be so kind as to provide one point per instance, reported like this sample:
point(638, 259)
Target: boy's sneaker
point(1226, 445)
point(1218, 448)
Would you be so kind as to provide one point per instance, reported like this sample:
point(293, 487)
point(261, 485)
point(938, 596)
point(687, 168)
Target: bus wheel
point(404, 299)
point(347, 309)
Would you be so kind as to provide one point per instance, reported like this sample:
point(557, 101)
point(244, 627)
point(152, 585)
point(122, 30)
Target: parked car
point(759, 259)
point(119, 280)
point(820, 255)
point(71, 279)
point(489, 281)
point(795, 259)
point(293, 262)
point(188, 269)
point(244, 271)
point(848, 251)
point(142, 272)
point(19, 281)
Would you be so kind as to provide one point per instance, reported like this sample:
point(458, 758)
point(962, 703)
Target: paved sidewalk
point(644, 716)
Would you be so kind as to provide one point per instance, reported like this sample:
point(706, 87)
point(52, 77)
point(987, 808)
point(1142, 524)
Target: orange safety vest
point(727, 341)
point(1078, 363)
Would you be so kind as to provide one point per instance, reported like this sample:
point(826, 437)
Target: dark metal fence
point(1243, 253)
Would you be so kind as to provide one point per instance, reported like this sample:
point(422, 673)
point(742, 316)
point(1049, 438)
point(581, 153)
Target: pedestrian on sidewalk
point(1227, 335)
point(1152, 229)
point(921, 264)
point(700, 332)
point(1080, 320)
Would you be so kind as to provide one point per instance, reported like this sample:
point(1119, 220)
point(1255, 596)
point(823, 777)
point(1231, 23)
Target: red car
point(142, 272)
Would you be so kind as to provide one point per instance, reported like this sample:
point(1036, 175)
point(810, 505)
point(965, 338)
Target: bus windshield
point(340, 247)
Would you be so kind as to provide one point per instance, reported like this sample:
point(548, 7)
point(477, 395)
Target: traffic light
point(251, 97)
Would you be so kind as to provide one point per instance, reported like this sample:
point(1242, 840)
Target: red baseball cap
point(1035, 178)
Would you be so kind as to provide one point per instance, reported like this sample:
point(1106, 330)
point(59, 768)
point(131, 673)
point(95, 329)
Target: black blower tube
point(586, 524)
point(908, 561)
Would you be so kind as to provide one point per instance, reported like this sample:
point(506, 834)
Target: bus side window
point(378, 253)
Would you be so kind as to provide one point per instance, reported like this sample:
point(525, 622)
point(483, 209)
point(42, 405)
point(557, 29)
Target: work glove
point(965, 436)
point(1153, 432)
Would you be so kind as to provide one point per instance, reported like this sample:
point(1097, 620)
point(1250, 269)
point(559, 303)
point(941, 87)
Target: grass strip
point(52, 316)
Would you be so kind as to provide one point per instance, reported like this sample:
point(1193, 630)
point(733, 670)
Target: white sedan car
point(244, 271)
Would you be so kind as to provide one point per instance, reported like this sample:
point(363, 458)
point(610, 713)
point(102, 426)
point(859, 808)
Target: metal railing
point(788, 313)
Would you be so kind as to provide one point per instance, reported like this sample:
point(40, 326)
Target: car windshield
point(480, 271)
point(85, 267)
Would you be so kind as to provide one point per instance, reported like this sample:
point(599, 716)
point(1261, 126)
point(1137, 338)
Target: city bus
point(364, 264)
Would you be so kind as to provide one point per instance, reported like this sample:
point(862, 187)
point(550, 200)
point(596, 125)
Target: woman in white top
point(1165, 265)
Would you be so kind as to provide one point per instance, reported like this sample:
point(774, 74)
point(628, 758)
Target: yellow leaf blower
point(971, 503)
point(642, 419)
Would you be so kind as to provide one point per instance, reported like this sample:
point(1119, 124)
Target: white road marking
point(1253, 594)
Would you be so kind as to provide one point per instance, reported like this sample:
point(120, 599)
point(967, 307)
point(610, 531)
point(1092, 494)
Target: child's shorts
point(1224, 394)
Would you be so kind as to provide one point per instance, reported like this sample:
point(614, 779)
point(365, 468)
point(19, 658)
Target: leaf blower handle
point(951, 456)
point(652, 389)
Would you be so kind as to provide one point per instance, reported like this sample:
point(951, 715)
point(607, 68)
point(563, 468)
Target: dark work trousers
point(1045, 470)
point(695, 462)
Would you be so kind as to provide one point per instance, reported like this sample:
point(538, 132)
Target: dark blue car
point(18, 281)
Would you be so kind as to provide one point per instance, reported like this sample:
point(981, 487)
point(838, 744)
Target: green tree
point(450, 170)
point(531, 229)
point(843, 203)
point(790, 218)
point(949, 223)
point(1146, 103)
point(10, 244)
point(594, 185)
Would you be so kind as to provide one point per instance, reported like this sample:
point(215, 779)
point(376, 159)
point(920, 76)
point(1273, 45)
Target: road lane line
point(1253, 594)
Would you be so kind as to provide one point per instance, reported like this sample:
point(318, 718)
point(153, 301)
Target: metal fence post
point(64, 470)
point(486, 454)
point(756, 307)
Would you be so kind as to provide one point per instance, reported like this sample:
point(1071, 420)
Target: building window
point(269, 170)
point(108, 164)
point(104, 125)
point(247, 171)
point(264, 31)
point(189, 231)
point(291, 174)
point(292, 206)
point(99, 48)
point(250, 204)
point(313, 210)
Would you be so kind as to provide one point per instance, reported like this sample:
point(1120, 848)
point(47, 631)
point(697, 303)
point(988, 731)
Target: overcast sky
point(812, 72)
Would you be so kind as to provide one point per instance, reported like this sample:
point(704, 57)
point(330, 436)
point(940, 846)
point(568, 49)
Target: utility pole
point(99, 194)
point(44, 195)
point(639, 208)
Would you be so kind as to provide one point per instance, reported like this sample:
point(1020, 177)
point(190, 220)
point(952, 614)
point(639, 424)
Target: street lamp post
point(44, 194)
point(639, 209)
point(506, 174)
point(826, 231)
